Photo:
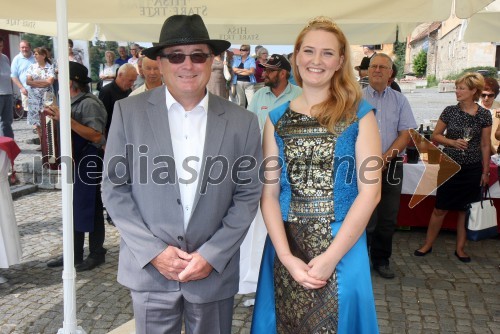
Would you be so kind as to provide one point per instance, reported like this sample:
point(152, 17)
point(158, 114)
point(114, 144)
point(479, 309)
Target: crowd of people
point(312, 151)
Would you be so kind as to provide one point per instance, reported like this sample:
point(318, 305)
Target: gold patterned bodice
point(309, 155)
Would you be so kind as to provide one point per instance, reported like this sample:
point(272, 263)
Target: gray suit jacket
point(141, 193)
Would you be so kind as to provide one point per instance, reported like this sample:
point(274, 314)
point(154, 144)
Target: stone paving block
point(430, 326)
point(464, 329)
point(414, 330)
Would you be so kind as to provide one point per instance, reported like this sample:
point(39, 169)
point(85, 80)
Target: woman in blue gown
point(318, 196)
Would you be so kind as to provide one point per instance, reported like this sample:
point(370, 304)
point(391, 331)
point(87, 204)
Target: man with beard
point(277, 90)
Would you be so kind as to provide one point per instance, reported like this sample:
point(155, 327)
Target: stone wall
point(448, 54)
point(452, 54)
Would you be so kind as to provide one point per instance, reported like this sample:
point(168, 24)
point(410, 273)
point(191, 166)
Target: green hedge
point(490, 72)
point(431, 81)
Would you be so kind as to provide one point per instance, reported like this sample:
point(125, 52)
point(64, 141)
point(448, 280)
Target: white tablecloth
point(412, 174)
point(10, 245)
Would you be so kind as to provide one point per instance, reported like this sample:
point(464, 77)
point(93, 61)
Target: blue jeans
point(6, 116)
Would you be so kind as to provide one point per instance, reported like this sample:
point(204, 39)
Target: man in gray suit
point(181, 184)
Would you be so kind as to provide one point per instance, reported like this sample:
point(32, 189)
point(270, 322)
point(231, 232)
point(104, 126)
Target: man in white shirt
point(152, 76)
point(181, 184)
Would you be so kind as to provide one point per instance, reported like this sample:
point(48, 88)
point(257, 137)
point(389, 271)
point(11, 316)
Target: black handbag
point(99, 85)
point(295, 249)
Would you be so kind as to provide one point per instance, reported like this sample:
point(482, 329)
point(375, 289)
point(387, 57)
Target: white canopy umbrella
point(81, 31)
point(284, 34)
point(484, 26)
point(132, 15)
point(265, 22)
point(261, 11)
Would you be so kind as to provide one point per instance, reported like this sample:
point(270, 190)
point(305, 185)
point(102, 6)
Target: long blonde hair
point(345, 91)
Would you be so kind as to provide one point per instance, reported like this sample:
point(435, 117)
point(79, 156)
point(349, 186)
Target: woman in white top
point(107, 71)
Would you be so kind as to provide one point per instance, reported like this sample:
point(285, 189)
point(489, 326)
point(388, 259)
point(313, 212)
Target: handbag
point(227, 74)
point(295, 249)
point(99, 85)
point(482, 218)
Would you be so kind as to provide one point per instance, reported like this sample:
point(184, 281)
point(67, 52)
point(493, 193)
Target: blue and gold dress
point(317, 187)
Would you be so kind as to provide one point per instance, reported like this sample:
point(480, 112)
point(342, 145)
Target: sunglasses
point(179, 58)
point(244, 50)
point(488, 95)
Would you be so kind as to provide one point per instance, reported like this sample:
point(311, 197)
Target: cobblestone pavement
point(434, 294)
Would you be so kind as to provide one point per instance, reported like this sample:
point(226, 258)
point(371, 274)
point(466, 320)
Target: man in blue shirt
point(19, 67)
point(123, 57)
point(6, 106)
point(277, 89)
point(395, 118)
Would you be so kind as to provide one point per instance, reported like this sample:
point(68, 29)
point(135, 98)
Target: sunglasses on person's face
point(488, 95)
point(179, 58)
point(244, 50)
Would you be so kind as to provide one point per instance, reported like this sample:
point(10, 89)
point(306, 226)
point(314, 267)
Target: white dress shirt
point(187, 131)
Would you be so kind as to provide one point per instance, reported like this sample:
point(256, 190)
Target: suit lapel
point(216, 127)
point(157, 114)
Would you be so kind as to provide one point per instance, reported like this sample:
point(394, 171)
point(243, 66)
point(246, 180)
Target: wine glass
point(467, 136)
point(48, 98)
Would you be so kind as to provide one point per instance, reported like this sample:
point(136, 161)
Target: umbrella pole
point(69, 274)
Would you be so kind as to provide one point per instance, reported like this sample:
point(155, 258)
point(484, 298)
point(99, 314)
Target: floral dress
point(35, 95)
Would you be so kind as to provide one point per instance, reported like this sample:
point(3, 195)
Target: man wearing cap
point(277, 89)
point(181, 183)
point(88, 118)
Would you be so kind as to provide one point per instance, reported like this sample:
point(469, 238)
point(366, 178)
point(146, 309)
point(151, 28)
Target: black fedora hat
point(78, 73)
point(184, 30)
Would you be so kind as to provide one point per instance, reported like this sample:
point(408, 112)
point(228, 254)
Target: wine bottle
point(428, 133)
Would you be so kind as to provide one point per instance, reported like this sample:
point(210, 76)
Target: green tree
point(39, 40)
point(400, 51)
point(420, 63)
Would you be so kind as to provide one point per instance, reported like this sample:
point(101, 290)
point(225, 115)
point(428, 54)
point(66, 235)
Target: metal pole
point(69, 274)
